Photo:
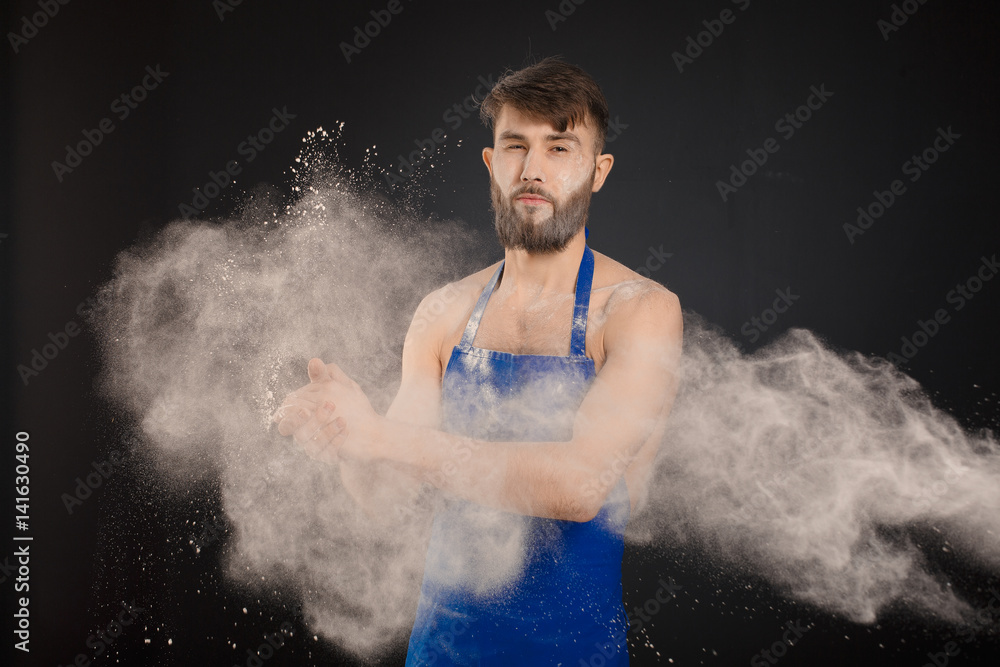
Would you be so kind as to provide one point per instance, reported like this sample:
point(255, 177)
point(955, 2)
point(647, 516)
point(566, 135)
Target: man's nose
point(532, 169)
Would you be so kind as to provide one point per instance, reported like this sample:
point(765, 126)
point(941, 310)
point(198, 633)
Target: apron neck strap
point(578, 336)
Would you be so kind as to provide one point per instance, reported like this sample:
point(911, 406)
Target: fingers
point(317, 421)
point(318, 371)
point(295, 411)
point(297, 407)
point(322, 434)
point(292, 420)
point(326, 448)
point(300, 409)
point(333, 434)
point(296, 403)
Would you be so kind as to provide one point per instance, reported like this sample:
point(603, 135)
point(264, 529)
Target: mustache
point(530, 189)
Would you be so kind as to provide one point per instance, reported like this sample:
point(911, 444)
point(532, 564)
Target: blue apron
point(563, 604)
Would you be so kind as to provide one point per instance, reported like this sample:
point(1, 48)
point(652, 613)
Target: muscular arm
point(627, 403)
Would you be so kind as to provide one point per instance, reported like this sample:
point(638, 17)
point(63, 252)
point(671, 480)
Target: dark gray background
point(684, 130)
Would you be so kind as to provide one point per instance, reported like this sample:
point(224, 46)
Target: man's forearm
point(535, 478)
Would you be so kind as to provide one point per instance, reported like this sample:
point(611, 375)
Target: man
point(538, 394)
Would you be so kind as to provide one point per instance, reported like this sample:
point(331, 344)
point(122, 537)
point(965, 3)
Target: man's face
point(541, 181)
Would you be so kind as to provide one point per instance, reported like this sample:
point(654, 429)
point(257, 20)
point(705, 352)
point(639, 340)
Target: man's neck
point(531, 275)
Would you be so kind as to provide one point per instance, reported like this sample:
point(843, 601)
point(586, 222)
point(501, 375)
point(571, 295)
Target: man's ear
point(601, 169)
point(488, 159)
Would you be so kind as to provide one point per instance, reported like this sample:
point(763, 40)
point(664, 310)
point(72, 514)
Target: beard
point(522, 230)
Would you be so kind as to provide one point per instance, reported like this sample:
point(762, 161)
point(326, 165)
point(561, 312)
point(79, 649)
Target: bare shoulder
point(447, 308)
point(629, 303)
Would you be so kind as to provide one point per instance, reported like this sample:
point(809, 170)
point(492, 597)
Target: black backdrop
point(678, 126)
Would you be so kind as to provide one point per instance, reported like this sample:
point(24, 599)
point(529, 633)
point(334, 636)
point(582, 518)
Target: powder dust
point(810, 468)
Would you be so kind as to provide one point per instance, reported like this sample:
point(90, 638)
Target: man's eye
point(561, 149)
point(513, 146)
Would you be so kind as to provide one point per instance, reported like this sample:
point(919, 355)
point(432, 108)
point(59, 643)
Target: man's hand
point(317, 415)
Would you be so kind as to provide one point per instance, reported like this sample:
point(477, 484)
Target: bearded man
point(537, 390)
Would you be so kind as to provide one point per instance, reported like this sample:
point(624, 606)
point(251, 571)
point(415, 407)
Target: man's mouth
point(532, 200)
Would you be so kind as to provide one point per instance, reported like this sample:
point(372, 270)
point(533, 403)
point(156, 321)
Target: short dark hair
point(551, 90)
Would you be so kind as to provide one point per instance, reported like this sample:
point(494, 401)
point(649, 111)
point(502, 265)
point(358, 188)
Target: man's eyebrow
point(563, 136)
point(510, 134)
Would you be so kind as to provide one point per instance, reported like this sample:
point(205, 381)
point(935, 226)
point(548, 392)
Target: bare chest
point(543, 327)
